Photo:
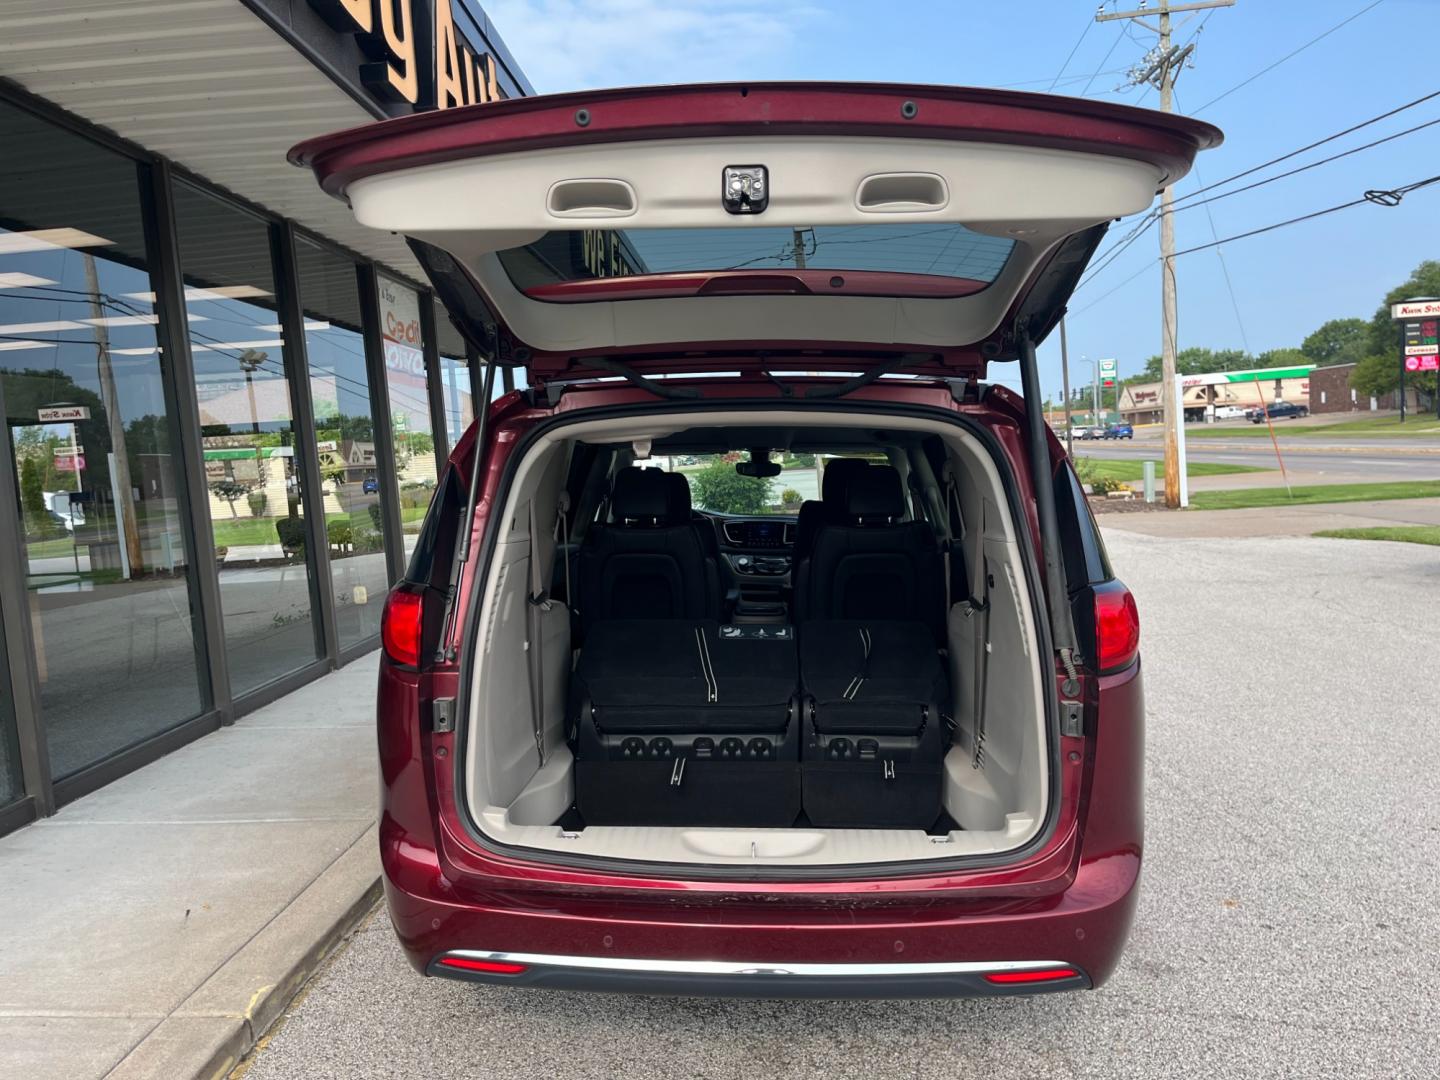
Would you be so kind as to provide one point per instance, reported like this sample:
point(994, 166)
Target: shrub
point(259, 503)
point(790, 497)
point(340, 531)
point(719, 488)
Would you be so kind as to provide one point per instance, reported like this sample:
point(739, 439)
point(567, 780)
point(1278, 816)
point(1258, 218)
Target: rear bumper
point(753, 980)
point(932, 947)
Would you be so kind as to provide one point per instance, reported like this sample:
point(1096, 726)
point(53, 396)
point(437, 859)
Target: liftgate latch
point(1072, 719)
point(442, 715)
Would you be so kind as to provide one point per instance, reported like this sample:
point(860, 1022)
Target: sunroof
point(938, 250)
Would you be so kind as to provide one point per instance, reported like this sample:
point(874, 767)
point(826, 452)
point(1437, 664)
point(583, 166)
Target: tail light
point(1117, 626)
point(401, 626)
point(1010, 978)
point(485, 967)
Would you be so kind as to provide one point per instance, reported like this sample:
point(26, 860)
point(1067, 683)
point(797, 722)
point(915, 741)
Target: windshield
point(949, 251)
point(717, 488)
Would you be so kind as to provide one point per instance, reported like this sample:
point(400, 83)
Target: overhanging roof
point(205, 83)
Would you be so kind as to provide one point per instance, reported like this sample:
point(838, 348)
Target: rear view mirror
point(764, 467)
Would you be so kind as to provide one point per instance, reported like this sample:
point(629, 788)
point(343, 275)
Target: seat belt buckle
point(888, 771)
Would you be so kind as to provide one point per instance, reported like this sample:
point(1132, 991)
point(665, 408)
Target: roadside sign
point(69, 462)
point(1422, 363)
point(60, 414)
point(1415, 309)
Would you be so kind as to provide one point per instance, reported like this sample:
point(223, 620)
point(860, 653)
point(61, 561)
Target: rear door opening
point(802, 684)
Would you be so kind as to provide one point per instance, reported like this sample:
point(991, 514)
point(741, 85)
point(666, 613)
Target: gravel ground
point(1287, 925)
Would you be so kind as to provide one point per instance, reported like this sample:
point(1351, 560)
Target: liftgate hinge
point(1072, 718)
point(442, 715)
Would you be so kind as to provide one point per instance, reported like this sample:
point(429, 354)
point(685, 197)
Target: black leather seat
point(871, 564)
point(645, 564)
point(830, 508)
point(870, 608)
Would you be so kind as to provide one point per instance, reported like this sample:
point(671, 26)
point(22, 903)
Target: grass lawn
point(1134, 471)
point(1404, 534)
point(49, 549)
point(1423, 426)
point(1315, 493)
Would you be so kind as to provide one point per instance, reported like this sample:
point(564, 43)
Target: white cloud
point(582, 44)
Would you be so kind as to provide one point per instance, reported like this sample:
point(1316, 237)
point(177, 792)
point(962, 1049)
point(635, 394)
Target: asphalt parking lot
point(1288, 922)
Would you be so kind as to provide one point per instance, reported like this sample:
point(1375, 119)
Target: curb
point(217, 1025)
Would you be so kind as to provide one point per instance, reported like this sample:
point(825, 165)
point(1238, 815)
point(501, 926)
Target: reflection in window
point(454, 378)
point(248, 436)
point(345, 440)
point(11, 784)
point(80, 376)
point(408, 391)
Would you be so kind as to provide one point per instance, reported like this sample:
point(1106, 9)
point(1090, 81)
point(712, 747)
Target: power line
point(1379, 197)
point(1106, 258)
point(1288, 56)
point(1073, 48)
point(1306, 168)
point(1097, 73)
point(1313, 145)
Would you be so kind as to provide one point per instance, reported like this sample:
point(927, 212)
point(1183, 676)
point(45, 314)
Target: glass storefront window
point(11, 785)
point(454, 378)
point(345, 439)
point(408, 392)
point(94, 479)
point(247, 430)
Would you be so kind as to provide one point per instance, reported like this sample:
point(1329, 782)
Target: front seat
point(644, 564)
point(872, 564)
point(834, 481)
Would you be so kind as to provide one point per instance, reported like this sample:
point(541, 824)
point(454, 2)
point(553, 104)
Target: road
point(1286, 925)
point(1372, 459)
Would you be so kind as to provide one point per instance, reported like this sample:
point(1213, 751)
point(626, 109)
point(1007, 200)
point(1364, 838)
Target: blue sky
point(1285, 283)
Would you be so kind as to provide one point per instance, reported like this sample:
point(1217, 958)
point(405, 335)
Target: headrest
point(679, 511)
point(835, 479)
point(875, 494)
point(640, 494)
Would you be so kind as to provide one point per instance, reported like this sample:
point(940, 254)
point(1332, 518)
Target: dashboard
point(762, 533)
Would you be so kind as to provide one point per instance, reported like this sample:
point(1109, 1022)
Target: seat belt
point(537, 604)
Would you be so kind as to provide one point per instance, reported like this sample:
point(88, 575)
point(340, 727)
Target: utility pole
point(1160, 68)
point(1065, 376)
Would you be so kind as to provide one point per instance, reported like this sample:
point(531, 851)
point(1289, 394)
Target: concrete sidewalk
point(158, 926)
point(1275, 520)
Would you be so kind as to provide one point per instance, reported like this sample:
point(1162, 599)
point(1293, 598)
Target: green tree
point(32, 495)
point(1379, 372)
point(1339, 341)
point(719, 488)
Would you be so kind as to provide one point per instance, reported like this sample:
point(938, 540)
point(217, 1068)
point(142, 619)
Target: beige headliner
point(476, 207)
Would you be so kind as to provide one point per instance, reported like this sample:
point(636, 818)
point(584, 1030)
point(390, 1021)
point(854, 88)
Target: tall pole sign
point(1419, 321)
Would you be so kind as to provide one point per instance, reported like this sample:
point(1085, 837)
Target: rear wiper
point(630, 375)
point(849, 386)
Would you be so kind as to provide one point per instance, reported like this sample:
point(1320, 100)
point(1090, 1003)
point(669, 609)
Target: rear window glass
point(942, 250)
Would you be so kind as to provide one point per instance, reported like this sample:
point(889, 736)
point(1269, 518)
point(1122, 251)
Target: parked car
point(1231, 412)
point(628, 746)
point(370, 485)
point(1119, 431)
point(1281, 410)
point(1086, 431)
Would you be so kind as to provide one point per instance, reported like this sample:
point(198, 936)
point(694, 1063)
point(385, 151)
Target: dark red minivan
point(759, 646)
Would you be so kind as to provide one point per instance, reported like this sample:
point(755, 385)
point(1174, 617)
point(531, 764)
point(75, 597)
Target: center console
point(757, 556)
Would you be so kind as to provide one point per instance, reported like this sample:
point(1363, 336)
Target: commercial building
point(1209, 396)
point(226, 403)
point(1331, 392)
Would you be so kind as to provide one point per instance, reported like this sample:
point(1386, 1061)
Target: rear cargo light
point(1049, 975)
point(488, 967)
point(1117, 626)
point(400, 626)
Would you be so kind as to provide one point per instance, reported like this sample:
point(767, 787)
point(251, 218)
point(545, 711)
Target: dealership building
point(226, 403)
